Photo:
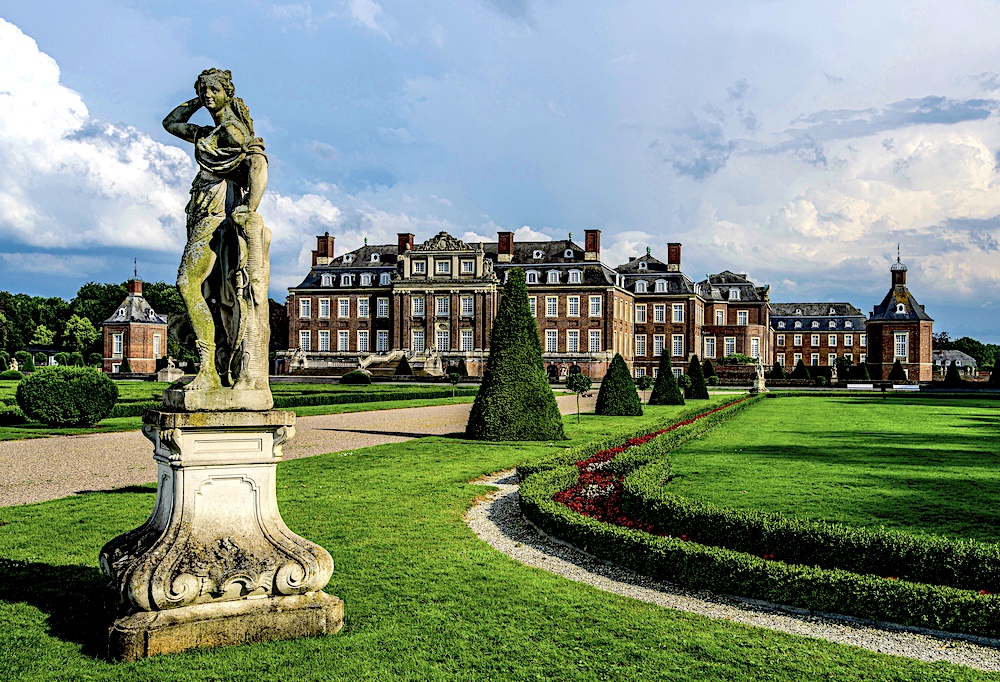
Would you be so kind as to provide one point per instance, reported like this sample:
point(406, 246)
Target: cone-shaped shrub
point(67, 396)
point(515, 401)
point(698, 390)
point(897, 373)
point(801, 371)
point(462, 369)
point(403, 368)
point(952, 378)
point(126, 368)
point(618, 396)
point(708, 369)
point(665, 390)
point(777, 371)
point(861, 372)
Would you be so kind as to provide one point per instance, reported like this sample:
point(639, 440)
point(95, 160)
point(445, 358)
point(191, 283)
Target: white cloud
point(368, 12)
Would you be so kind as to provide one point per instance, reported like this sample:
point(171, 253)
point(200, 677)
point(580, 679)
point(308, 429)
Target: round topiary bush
point(821, 380)
point(11, 374)
point(356, 377)
point(712, 380)
point(67, 396)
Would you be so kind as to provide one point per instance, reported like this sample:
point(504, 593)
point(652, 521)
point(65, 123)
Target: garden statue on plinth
point(215, 563)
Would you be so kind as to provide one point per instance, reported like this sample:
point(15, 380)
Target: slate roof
point(553, 251)
point(718, 286)
point(944, 358)
point(888, 309)
point(823, 313)
point(593, 273)
point(360, 261)
point(135, 309)
point(642, 264)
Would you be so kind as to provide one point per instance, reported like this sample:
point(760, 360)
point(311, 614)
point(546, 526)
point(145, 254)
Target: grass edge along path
point(595, 521)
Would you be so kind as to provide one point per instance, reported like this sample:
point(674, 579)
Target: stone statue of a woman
point(225, 270)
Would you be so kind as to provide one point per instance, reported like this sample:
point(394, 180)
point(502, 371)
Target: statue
point(225, 269)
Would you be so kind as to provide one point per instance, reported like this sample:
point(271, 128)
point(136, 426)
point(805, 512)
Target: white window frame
point(863, 340)
point(305, 340)
point(729, 345)
point(660, 286)
point(677, 313)
point(442, 305)
point(814, 340)
point(363, 341)
point(326, 280)
point(640, 345)
point(595, 340)
point(468, 340)
point(324, 340)
point(381, 341)
point(640, 287)
point(417, 340)
point(551, 341)
point(814, 359)
point(552, 277)
point(831, 340)
point(343, 307)
point(551, 306)
point(640, 313)
point(442, 340)
point(848, 340)
point(779, 340)
point(442, 266)
point(366, 279)
point(533, 305)
point(419, 267)
point(385, 279)
point(572, 306)
point(346, 280)
point(156, 345)
point(343, 341)
point(831, 359)
point(795, 358)
point(901, 341)
point(418, 306)
point(324, 308)
point(720, 318)
point(659, 341)
point(574, 277)
point(659, 313)
point(595, 306)
point(468, 267)
point(677, 345)
point(117, 345)
point(780, 357)
point(742, 317)
point(531, 277)
point(709, 346)
point(363, 307)
point(572, 340)
point(468, 304)
point(382, 307)
point(755, 347)
point(797, 340)
point(305, 308)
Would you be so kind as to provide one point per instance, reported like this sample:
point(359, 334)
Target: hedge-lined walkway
point(498, 521)
point(48, 468)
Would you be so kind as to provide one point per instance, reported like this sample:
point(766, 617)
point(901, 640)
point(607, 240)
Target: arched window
point(640, 287)
point(537, 254)
point(384, 279)
point(531, 277)
point(327, 280)
point(832, 324)
point(781, 324)
point(734, 294)
point(849, 324)
point(574, 276)
point(366, 279)
point(643, 265)
point(375, 258)
point(815, 324)
point(345, 280)
point(552, 278)
point(833, 311)
point(348, 258)
point(661, 286)
point(568, 253)
point(798, 324)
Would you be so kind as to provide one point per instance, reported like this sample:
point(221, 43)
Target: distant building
point(818, 333)
point(900, 329)
point(135, 332)
point(942, 359)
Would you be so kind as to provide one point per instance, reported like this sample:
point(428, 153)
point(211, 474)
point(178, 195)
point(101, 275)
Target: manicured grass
point(425, 598)
point(915, 464)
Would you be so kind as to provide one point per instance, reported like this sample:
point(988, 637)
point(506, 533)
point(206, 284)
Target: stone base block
point(218, 399)
point(151, 633)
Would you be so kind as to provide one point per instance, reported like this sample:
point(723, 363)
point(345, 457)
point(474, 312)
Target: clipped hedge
point(357, 378)
point(67, 396)
point(11, 375)
point(11, 414)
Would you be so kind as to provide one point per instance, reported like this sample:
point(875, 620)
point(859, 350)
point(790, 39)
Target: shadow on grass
point(376, 432)
point(145, 488)
point(74, 597)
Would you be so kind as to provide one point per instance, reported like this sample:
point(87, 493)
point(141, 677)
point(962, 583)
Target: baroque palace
point(434, 302)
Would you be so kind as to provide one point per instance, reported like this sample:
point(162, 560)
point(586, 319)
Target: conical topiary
point(515, 401)
point(462, 369)
point(897, 373)
point(777, 371)
point(708, 369)
point(801, 371)
point(698, 390)
point(618, 396)
point(125, 367)
point(665, 390)
point(952, 378)
point(403, 368)
point(861, 372)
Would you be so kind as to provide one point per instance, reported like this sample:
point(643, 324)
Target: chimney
point(898, 275)
point(404, 242)
point(135, 287)
point(673, 257)
point(505, 247)
point(324, 249)
point(592, 245)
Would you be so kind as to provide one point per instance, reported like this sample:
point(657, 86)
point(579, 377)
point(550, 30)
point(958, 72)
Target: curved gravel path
point(48, 468)
point(497, 520)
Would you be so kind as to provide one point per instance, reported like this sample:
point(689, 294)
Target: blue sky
point(793, 142)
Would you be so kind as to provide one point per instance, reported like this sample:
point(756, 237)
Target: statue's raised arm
point(225, 271)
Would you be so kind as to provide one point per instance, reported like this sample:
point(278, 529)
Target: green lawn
point(909, 463)
point(425, 598)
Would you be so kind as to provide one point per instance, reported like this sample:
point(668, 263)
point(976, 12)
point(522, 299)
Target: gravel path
point(48, 468)
point(497, 520)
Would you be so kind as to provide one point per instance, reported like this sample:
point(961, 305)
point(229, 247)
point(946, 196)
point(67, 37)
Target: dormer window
point(833, 325)
point(781, 324)
point(798, 324)
point(348, 258)
point(640, 287)
point(366, 279)
point(734, 295)
point(121, 312)
point(345, 280)
point(848, 324)
point(833, 311)
point(568, 253)
point(643, 265)
point(815, 324)
point(900, 308)
point(375, 258)
point(327, 280)
point(537, 254)
point(798, 311)
point(574, 276)
point(384, 279)
point(661, 286)
point(552, 278)
point(531, 277)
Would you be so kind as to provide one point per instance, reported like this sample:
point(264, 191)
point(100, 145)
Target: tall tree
point(515, 401)
point(618, 396)
point(698, 390)
point(80, 334)
point(666, 390)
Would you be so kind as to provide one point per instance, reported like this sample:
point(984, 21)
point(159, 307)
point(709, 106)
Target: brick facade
point(135, 331)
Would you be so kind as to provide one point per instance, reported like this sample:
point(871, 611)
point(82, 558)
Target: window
point(640, 287)
point(552, 278)
point(573, 341)
point(734, 294)
point(344, 307)
point(537, 254)
point(384, 279)
point(374, 258)
point(677, 345)
point(551, 306)
point(467, 306)
point(305, 307)
point(442, 305)
point(796, 358)
point(831, 359)
point(381, 341)
point(327, 280)
point(677, 310)
point(742, 317)
point(417, 303)
point(814, 359)
point(443, 340)
point(533, 305)
point(595, 306)
point(901, 344)
point(305, 340)
point(324, 340)
point(574, 276)
point(640, 372)
point(848, 325)
point(815, 324)
point(677, 371)
point(382, 307)
point(710, 347)
point(568, 253)
point(343, 341)
point(366, 279)
point(467, 343)
point(363, 307)
point(531, 277)
point(640, 344)
point(419, 267)
point(832, 324)
point(658, 341)
point(659, 313)
point(730, 345)
point(781, 359)
point(116, 345)
point(661, 286)
point(814, 339)
point(831, 340)
point(468, 267)
point(443, 267)
point(116, 367)
point(418, 340)
point(848, 339)
point(345, 280)
point(324, 308)
point(720, 317)
point(797, 340)
point(779, 340)
point(348, 258)
point(595, 340)
point(643, 265)
point(640, 313)
point(362, 340)
point(861, 358)
point(755, 347)
point(573, 306)
point(156, 345)
point(862, 340)
point(551, 341)
point(798, 324)
point(781, 324)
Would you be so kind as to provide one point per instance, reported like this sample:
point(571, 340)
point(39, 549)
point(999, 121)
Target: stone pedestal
point(215, 564)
